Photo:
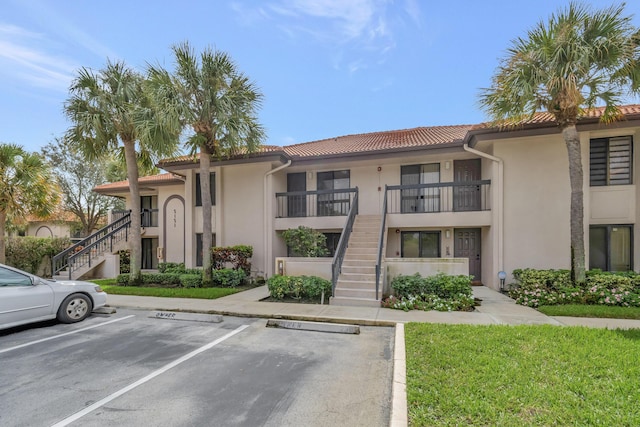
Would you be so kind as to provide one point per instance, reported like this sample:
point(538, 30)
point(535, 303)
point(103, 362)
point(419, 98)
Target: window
point(420, 244)
point(199, 258)
point(610, 247)
point(13, 278)
point(610, 161)
point(212, 184)
point(149, 253)
point(149, 205)
point(420, 199)
point(334, 202)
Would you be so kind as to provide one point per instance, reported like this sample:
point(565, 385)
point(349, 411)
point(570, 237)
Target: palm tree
point(111, 113)
point(577, 60)
point(218, 105)
point(26, 187)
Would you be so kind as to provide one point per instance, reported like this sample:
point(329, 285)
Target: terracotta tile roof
point(545, 118)
point(163, 178)
point(380, 141)
point(264, 149)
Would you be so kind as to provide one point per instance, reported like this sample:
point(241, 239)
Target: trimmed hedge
point(27, 253)
point(298, 287)
point(553, 287)
point(228, 277)
point(440, 292)
point(238, 256)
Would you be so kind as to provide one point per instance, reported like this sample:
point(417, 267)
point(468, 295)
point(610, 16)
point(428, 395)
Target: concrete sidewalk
point(495, 308)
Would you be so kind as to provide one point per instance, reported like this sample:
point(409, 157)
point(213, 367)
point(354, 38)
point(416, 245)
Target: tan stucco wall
point(48, 229)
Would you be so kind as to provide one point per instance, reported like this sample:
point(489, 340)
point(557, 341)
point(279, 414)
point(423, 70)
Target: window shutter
point(620, 161)
point(598, 162)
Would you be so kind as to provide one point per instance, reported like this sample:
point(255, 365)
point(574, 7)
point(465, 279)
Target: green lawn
point(146, 291)
point(522, 376)
point(577, 310)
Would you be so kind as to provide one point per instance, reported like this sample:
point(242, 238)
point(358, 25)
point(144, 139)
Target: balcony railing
point(297, 204)
point(148, 217)
point(465, 196)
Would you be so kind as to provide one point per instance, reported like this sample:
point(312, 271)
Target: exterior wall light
point(502, 276)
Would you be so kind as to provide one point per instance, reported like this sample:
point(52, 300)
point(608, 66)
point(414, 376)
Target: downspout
point(268, 220)
point(500, 203)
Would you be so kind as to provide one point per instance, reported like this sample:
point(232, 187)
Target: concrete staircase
point(357, 282)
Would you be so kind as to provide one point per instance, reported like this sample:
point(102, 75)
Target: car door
point(22, 301)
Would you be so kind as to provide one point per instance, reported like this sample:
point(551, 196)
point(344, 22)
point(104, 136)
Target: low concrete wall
point(298, 266)
point(425, 266)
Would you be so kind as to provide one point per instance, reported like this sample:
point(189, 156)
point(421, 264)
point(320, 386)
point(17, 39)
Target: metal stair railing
point(336, 264)
point(381, 241)
point(88, 249)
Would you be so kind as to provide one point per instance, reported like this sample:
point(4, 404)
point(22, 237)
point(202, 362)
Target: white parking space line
point(65, 334)
point(149, 377)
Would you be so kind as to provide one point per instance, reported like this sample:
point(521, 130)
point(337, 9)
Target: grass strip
point(604, 311)
point(521, 375)
point(202, 293)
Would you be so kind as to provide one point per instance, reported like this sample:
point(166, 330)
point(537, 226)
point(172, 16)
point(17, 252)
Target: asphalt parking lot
point(128, 369)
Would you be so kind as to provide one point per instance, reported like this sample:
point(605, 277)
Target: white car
point(25, 298)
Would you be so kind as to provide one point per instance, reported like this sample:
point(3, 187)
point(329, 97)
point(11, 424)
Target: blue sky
point(326, 67)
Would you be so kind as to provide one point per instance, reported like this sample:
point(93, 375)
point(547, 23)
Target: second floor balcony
point(467, 196)
point(441, 197)
point(300, 204)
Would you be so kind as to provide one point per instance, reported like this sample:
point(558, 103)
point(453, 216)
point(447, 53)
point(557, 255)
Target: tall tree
point(576, 60)
point(110, 110)
point(218, 105)
point(76, 178)
point(26, 187)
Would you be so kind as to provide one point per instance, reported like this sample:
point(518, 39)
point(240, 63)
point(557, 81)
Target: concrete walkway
point(495, 308)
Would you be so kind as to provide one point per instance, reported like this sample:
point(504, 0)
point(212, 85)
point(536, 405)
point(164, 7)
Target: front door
point(466, 197)
point(296, 205)
point(467, 245)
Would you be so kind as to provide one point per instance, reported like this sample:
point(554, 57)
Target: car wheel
point(74, 308)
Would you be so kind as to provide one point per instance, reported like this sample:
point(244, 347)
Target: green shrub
point(297, 287)
point(306, 242)
point(122, 279)
point(125, 261)
point(27, 253)
point(441, 285)
point(553, 287)
point(238, 256)
point(191, 280)
point(171, 267)
point(441, 292)
point(228, 277)
point(313, 286)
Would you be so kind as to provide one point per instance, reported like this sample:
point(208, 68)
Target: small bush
point(440, 292)
point(191, 280)
point(238, 256)
point(553, 287)
point(297, 287)
point(27, 253)
point(228, 277)
point(171, 267)
point(306, 242)
point(125, 261)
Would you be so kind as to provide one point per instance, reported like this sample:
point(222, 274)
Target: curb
point(399, 417)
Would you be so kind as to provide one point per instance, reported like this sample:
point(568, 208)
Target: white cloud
point(34, 66)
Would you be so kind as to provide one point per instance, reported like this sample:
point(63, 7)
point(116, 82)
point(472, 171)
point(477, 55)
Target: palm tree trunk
point(3, 221)
point(135, 244)
point(205, 190)
point(572, 139)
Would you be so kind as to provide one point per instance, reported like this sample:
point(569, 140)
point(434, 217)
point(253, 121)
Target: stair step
point(350, 269)
point(358, 302)
point(355, 262)
point(354, 284)
point(358, 277)
point(356, 293)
